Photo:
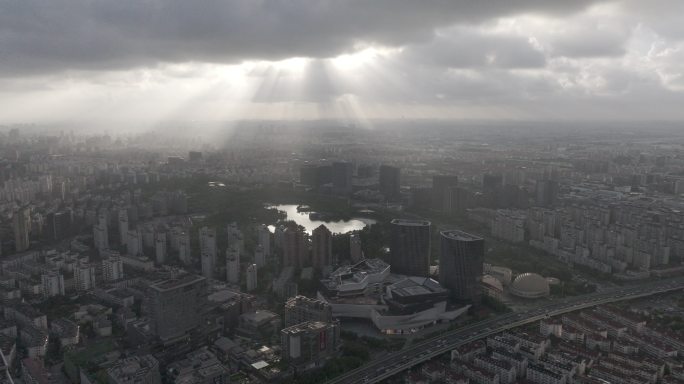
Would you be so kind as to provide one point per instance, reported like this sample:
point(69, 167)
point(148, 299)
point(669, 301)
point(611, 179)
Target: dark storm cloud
point(39, 36)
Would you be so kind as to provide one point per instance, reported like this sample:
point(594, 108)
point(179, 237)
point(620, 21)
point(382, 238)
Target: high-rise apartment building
point(390, 181)
point(52, 284)
point(251, 273)
point(342, 173)
point(102, 235)
point(21, 224)
point(309, 343)
point(84, 277)
point(264, 239)
point(160, 247)
point(295, 250)
point(233, 264)
point(259, 256)
point(300, 309)
point(134, 245)
point(355, 249)
point(123, 226)
point(441, 185)
point(321, 247)
point(207, 237)
point(112, 266)
point(547, 193)
point(184, 254)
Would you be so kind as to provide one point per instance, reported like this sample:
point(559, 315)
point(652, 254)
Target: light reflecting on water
point(302, 218)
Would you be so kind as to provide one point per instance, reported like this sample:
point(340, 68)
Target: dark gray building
point(441, 185)
point(547, 193)
point(342, 172)
point(460, 264)
point(175, 305)
point(390, 181)
point(410, 247)
point(321, 247)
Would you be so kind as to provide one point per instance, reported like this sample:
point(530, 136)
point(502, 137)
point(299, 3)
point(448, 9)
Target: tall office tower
point(410, 247)
point(52, 284)
point(259, 256)
point(175, 305)
point(300, 309)
point(355, 249)
point(460, 264)
point(342, 177)
point(112, 266)
point(264, 239)
point(207, 237)
point(84, 277)
point(160, 247)
point(233, 264)
point(321, 248)
point(547, 193)
point(21, 223)
point(184, 248)
point(251, 277)
point(295, 248)
point(309, 343)
point(441, 184)
point(123, 227)
point(134, 242)
point(390, 181)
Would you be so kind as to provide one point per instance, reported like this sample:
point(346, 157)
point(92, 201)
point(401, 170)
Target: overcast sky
point(164, 60)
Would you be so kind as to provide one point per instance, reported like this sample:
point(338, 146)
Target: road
point(394, 363)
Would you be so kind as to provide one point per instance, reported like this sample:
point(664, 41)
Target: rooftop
point(415, 286)
point(169, 284)
point(459, 235)
point(411, 223)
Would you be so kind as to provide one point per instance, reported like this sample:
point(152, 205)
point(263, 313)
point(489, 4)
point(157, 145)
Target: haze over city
point(341, 192)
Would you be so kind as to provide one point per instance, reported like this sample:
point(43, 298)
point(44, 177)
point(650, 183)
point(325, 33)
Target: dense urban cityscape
point(194, 263)
point(341, 192)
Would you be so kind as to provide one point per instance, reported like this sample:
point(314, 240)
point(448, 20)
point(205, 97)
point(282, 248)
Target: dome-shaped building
point(530, 286)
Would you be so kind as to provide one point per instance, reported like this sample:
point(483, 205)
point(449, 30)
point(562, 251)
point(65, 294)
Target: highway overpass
point(394, 363)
